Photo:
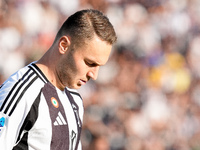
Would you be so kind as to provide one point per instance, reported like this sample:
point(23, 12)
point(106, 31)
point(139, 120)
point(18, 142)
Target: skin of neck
point(48, 63)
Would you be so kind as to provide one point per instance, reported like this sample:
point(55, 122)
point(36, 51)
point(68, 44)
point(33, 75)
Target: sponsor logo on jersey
point(60, 120)
point(54, 102)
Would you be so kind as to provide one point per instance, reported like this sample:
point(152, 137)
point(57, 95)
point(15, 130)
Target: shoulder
point(74, 93)
point(78, 101)
point(20, 89)
point(76, 97)
point(21, 80)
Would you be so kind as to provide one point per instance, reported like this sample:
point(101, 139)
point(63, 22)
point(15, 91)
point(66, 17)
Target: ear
point(64, 44)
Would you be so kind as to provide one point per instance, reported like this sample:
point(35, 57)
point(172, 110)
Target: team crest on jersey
point(54, 102)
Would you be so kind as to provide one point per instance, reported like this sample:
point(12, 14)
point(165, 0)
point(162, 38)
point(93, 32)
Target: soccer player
point(40, 108)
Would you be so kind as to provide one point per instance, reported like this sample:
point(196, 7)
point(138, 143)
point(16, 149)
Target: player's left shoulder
point(74, 93)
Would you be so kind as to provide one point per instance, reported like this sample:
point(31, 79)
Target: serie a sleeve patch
point(2, 123)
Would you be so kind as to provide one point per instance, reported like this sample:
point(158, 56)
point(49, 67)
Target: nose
point(93, 73)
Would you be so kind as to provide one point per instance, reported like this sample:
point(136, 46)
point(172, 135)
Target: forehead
point(96, 50)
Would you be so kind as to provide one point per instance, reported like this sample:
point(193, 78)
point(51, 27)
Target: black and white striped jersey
point(35, 115)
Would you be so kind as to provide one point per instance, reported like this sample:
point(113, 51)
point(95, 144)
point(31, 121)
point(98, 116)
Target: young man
point(38, 108)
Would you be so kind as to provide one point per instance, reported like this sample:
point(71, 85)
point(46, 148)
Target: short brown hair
point(84, 24)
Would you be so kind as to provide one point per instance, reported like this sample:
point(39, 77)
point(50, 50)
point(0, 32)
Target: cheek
point(70, 64)
point(81, 67)
point(76, 65)
point(66, 68)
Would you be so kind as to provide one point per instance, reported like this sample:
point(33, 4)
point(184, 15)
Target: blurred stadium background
point(147, 97)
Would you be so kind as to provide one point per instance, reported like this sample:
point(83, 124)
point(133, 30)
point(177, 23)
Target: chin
point(74, 87)
point(78, 87)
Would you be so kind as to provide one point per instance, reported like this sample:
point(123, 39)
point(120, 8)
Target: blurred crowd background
point(147, 97)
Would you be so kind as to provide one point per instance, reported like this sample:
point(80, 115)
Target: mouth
point(82, 82)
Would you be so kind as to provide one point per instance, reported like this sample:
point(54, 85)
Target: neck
point(47, 65)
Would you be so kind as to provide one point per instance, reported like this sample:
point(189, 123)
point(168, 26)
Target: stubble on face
point(66, 70)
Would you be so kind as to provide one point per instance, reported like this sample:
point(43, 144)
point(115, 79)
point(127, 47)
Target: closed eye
point(91, 64)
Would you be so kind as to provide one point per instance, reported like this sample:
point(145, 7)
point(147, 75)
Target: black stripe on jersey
point(76, 113)
point(22, 93)
point(23, 144)
point(75, 93)
point(6, 99)
point(28, 124)
point(1, 85)
point(37, 70)
point(60, 134)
